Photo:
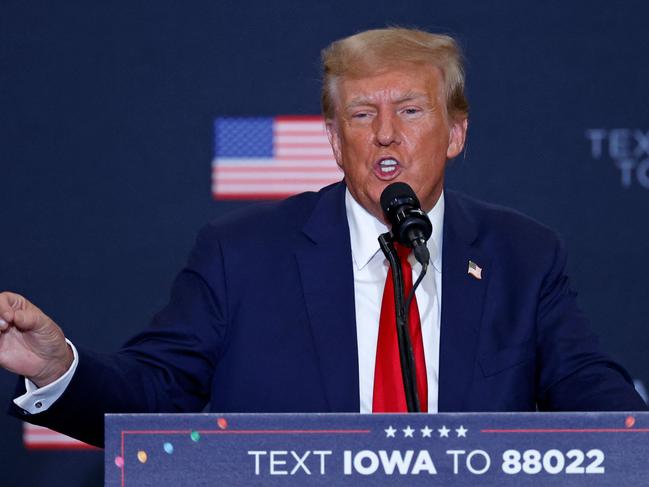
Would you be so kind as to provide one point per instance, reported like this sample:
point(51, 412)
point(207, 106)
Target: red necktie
point(389, 395)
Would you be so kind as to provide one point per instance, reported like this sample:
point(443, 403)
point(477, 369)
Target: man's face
point(393, 126)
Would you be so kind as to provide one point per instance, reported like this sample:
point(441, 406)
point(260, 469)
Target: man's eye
point(360, 115)
point(411, 111)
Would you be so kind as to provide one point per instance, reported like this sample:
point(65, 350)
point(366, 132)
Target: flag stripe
point(284, 169)
point(40, 438)
point(270, 163)
point(272, 177)
point(261, 180)
point(254, 196)
point(303, 145)
point(302, 151)
point(298, 118)
point(303, 138)
point(49, 439)
point(306, 159)
point(313, 127)
point(265, 188)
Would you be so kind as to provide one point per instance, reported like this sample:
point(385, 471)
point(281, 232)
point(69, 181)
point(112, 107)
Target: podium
point(446, 449)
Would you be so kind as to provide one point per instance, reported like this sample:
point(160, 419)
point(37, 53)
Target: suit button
point(38, 405)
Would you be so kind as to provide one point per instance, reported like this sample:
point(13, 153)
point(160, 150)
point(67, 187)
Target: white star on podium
point(390, 431)
point(425, 432)
point(443, 432)
point(408, 431)
point(461, 431)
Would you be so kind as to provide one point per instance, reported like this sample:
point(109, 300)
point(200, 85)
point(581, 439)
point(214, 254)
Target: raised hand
point(31, 344)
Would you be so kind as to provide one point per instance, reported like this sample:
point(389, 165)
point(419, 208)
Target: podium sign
point(449, 449)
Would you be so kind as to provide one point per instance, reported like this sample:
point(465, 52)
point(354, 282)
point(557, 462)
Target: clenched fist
point(31, 344)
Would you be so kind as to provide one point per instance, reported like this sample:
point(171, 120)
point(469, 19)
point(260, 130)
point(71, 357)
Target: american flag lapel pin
point(475, 270)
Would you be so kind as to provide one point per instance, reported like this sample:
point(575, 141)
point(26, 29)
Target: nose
point(386, 131)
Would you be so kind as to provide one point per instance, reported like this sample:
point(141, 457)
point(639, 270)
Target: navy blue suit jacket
point(262, 319)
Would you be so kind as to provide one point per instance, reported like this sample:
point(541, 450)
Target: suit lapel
point(462, 305)
point(325, 263)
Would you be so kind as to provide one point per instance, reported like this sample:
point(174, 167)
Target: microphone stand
point(406, 356)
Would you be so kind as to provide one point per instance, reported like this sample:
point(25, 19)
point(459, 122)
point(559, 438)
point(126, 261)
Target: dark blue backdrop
point(106, 114)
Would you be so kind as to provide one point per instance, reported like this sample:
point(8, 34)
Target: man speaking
point(288, 307)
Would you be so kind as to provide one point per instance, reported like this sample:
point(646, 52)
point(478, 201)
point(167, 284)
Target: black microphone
point(410, 224)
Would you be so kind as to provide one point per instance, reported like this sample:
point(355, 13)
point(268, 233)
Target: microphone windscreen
point(398, 193)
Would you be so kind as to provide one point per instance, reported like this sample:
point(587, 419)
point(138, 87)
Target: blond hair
point(374, 51)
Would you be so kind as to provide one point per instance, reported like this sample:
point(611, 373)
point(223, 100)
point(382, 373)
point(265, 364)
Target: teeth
point(388, 165)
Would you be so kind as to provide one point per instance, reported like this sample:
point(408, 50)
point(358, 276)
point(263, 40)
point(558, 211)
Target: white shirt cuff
point(39, 399)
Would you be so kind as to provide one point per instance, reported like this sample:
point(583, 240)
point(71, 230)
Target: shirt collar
point(364, 230)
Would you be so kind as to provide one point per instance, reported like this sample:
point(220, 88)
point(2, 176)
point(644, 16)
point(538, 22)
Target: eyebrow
point(406, 97)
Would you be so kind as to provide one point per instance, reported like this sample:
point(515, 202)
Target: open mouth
point(388, 165)
point(387, 168)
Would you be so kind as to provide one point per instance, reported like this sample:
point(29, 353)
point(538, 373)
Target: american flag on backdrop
point(271, 157)
point(40, 438)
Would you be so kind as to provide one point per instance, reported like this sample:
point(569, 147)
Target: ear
point(334, 139)
point(457, 137)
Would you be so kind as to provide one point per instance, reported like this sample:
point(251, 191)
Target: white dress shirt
point(370, 272)
point(39, 399)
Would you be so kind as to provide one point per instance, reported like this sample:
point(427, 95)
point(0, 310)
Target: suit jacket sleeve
point(573, 373)
point(166, 368)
